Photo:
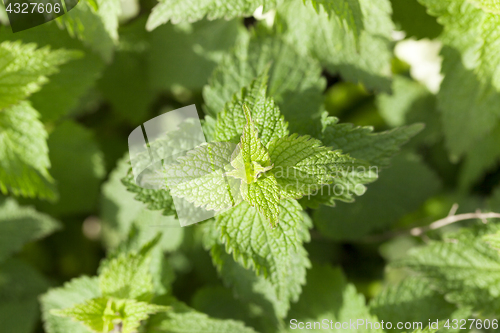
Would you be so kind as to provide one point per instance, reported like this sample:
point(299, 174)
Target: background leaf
point(24, 153)
point(19, 288)
point(327, 287)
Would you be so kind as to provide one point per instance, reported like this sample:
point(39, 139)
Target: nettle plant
point(276, 165)
point(258, 176)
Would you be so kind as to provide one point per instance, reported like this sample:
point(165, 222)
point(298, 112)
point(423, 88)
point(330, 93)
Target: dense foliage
point(387, 112)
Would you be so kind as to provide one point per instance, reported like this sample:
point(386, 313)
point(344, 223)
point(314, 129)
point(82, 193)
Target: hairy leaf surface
point(24, 156)
point(194, 10)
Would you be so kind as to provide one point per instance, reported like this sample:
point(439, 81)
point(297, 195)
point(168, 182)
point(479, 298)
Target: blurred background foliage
point(90, 106)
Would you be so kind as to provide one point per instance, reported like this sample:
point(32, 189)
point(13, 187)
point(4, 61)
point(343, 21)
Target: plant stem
point(420, 231)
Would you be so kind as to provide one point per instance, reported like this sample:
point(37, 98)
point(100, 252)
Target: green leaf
point(178, 11)
point(75, 292)
point(20, 286)
point(468, 110)
point(142, 234)
point(302, 165)
point(469, 91)
point(25, 69)
point(366, 59)
point(199, 47)
point(267, 117)
point(463, 266)
point(120, 211)
point(78, 168)
point(4, 18)
point(251, 160)
point(344, 188)
point(490, 6)
point(493, 240)
point(410, 103)
point(184, 319)
point(95, 25)
point(199, 177)
point(471, 31)
point(24, 156)
point(256, 291)
point(411, 300)
point(328, 297)
point(347, 12)
point(395, 107)
point(295, 80)
point(264, 195)
point(185, 182)
point(481, 159)
point(413, 19)
point(245, 172)
point(219, 302)
point(143, 59)
point(128, 276)
point(130, 64)
point(104, 314)
point(386, 201)
point(19, 225)
point(494, 200)
point(425, 330)
point(272, 252)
